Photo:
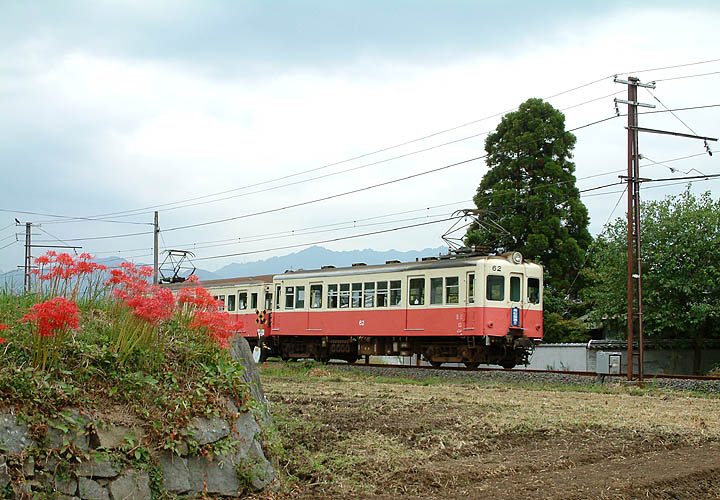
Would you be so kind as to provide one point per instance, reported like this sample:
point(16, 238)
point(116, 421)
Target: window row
point(445, 290)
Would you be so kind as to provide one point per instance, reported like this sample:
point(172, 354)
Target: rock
point(175, 473)
point(246, 429)
point(66, 486)
point(69, 429)
point(115, 436)
point(240, 351)
point(91, 490)
point(131, 485)
point(207, 430)
point(219, 476)
point(13, 436)
point(97, 468)
point(4, 475)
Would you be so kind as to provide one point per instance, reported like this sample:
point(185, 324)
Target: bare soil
point(353, 436)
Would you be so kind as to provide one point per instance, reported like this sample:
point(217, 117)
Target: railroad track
point(647, 376)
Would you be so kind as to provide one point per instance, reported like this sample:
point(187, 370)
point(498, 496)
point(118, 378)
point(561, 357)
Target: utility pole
point(634, 259)
point(28, 257)
point(634, 254)
point(155, 252)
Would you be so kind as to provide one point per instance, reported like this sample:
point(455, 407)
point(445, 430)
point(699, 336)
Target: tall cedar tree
point(530, 188)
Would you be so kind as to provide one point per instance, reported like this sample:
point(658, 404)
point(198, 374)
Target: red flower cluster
point(217, 324)
point(198, 298)
point(53, 316)
point(3, 327)
point(64, 266)
point(151, 303)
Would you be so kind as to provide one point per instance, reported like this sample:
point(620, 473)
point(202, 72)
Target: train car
point(472, 310)
point(459, 309)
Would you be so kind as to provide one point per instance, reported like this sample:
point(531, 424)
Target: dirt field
point(349, 435)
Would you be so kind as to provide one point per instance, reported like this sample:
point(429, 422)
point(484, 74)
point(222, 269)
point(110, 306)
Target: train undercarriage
point(507, 351)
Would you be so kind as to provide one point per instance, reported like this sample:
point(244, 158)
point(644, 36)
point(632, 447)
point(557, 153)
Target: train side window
point(471, 288)
point(382, 294)
point(345, 295)
point(395, 293)
point(253, 300)
point(277, 297)
point(495, 287)
point(242, 301)
point(436, 291)
point(315, 296)
point(299, 297)
point(332, 296)
point(369, 297)
point(452, 290)
point(515, 289)
point(231, 302)
point(268, 301)
point(417, 291)
point(357, 294)
point(289, 297)
point(533, 290)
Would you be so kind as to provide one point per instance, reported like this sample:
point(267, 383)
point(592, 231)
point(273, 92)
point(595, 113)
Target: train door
point(516, 300)
point(415, 303)
point(314, 323)
point(470, 305)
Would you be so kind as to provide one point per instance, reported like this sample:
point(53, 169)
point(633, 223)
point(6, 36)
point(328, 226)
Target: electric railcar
point(460, 309)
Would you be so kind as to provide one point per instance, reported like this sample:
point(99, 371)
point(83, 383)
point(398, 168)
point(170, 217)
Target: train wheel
point(472, 364)
point(436, 364)
point(507, 364)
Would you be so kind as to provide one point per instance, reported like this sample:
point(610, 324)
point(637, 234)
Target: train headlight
point(516, 257)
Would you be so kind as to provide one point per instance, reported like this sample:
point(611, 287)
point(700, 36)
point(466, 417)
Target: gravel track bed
point(705, 386)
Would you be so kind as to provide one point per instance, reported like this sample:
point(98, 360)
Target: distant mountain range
point(312, 257)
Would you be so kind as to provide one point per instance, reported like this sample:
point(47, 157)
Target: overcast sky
point(110, 107)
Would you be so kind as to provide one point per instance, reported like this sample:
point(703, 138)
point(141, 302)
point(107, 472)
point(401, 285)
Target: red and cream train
point(467, 309)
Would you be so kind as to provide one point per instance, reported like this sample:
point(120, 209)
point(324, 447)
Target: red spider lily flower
point(218, 325)
point(43, 260)
point(193, 279)
point(3, 327)
point(65, 259)
point(2, 340)
point(85, 256)
point(199, 298)
point(53, 316)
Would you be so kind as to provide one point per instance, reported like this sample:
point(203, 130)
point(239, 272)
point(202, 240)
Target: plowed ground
point(347, 435)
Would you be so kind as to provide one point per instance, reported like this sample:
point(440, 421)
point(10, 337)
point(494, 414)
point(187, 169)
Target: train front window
point(332, 296)
point(268, 300)
point(369, 297)
point(345, 295)
point(253, 300)
point(417, 291)
point(289, 297)
point(515, 292)
point(300, 297)
point(452, 290)
point(382, 294)
point(357, 294)
point(436, 291)
point(242, 301)
point(315, 296)
point(533, 290)
point(277, 297)
point(471, 288)
point(495, 287)
point(231, 302)
point(395, 295)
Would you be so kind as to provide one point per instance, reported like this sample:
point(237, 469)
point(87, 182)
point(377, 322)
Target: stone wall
point(77, 456)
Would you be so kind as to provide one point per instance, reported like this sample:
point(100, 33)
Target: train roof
point(356, 269)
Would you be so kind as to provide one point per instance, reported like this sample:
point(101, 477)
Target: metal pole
point(632, 110)
point(28, 257)
point(155, 252)
point(638, 247)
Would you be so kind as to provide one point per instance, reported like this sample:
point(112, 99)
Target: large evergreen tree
point(530, 189)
